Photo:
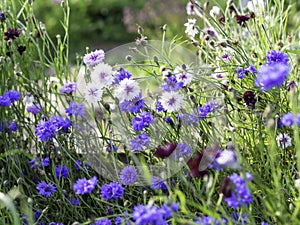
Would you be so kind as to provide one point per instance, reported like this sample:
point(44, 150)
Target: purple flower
point(103, 221)
point(34, 109)
point(240, 194)
point(74, 201)
point(298, 119)
point(112, 190)
point(4, 101)
point(61, 171)
point(94, 58)
point(274, 56)
point(46, 189)
point(11, 34)
point(128, 175)
point(139, 142)
point(208, 220)
point(251, 69)
point(171, 84)
point(241, 72)
point(9, 126)
point(242, 19)
point(75, 109)
point(287, 119)
point(54, 223)
point(271, 75)
point(144, 215)
point(2, 16)
point(159, 107)
point(13, 95)
point(38, 162)
point(134, 106)
point(85, 186)
point(158, 183)
point(68, 88)
point(122, 74)
point(139, 123)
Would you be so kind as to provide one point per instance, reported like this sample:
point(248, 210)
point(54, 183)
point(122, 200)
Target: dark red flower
point(165, 151)
point(249, 98)
point(242, 19)
point(11, 34)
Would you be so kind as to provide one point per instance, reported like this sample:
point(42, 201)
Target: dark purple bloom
point(61, 171)
point(85, 186)
point(128, 175)
point(21, 49)
point(112, 190)
point(2, 16)
point(68, 88)
point(274, 56)
point(34, 109)
point(287, 119)
point(11, 34)
point(75, 109)
point(171, 84)
point(134, 106)
point(139, 123)
point(111, 147)
point(271, 75)
point(249, 98)
point(242, 19)
point(46, 189)
point(139, 142)
point(169, 120)
point(165, 151)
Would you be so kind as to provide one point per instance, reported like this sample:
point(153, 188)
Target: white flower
point(183, 75)
point(28, 99)
point(191, 28)
point(218, 73)
point(256, 6)
point(102, 75)
point(297, 183)
point(93, 93)
point(128, 89)
point(190, 9)
point(94, 58)
point(227, 158)
point(171, 101)
point(227, 54)
point(215, 11)
point(284, 140)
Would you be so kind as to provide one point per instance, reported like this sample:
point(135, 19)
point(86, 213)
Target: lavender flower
point(103, 221)
point(75, 109)
point(13, 95)
point(38, 162)
point(112, 190)
point(34, 109)
point(94, 58)
point(271, 75)
point(128, 175)
point(171, 84)
point(139, 123)
point(139, 142)
point(68, 88)
point(85, 186)
point(158, 183)
point(122, 74)
point(133, 106)
point(46, 189)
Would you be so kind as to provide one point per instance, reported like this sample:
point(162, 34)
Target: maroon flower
point(242, 19)
point(11, 34)
point(225, 187)
point(165, 151)
point(249, 98)
point(21, 49)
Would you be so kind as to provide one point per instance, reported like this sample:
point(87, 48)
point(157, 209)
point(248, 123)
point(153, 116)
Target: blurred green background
point(108, 23)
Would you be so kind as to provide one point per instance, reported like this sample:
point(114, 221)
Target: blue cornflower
point(13, 95)
point(128, 175)
point(34, 109)
point(103, 221)
point(241, 72)
point(38, 162)
point(122, 74)
point(274, 56)
point(85, 186)
point(271, 75)
point(149, 215)
point(75, 109)
point(54, 223)
point(240, 195)
point(74, 201)
point(139, 123)
point(251, 69)
point(46, 189)
point(264, 223)
point(237, 218)
point(61, 171)
point(68, 88)
point(158, 183)
point(171, 84)
point(112, 190)
point(60, 123)
point(159, 107)
point(45, 131)
point(8, 126)
point(111, 147)
point(208, 220)
point(134, 106)
point(77, 165)
point(4, 101)
point(287, 119)
point(139, 142)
